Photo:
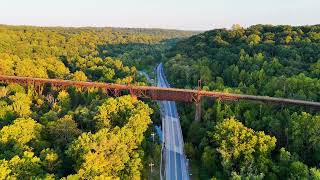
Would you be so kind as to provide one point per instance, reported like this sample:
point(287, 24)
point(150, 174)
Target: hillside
point(79, 49)
point(251, 140)
point(73, 133)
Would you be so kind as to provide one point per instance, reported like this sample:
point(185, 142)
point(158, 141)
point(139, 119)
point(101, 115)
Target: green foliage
point(21, 132)
point(26, 167)
point(60, 52)
point(79, 76)
point(50, 160)
point(63, 131)
point(242, 149)
point(210, 161)
point(304, 133)
point(110, 151)
point(117, 112)
point(58, 146)
point(279, 68)
point(21, 104)
point(280, 61)
point(4, 169)
point(315, 173)
point(76, 133)
point(299, 170)
point(253, 39)
point(64, 102)
point(6, 113)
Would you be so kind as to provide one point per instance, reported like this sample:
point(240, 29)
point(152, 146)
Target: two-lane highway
point(175, 161)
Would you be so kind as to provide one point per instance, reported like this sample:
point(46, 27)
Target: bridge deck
point(155, 93)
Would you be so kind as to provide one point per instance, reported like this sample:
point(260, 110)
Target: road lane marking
point(172, 128)
point(174, 140)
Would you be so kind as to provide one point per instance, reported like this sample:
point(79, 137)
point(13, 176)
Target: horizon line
point(149, 28)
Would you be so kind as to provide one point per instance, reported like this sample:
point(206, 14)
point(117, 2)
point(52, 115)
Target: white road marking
point(172, 130)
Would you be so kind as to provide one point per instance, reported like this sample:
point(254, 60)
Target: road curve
point(173, 153)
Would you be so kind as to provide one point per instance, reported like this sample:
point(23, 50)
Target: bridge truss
point(154, 93)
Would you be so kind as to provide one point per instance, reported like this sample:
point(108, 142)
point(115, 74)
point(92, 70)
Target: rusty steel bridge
point(154, 93)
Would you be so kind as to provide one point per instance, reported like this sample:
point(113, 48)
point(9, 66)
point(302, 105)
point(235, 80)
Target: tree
point(50, 160)
point(6, 113)
point(315, 173)
point(98, 154)
point(288, 39)
point(210, 161)
point(253, 39)
point(315, 69)
point(284, 161)
point(7, 65)
point(21, 104)
point(242, 148)
point(4, 170)
point(190, 150)
point(298, 170)
point(110, 152)
point(21, 132)
point(26, 167)
point(304, 136)
point(54, 67)
point(79, 76)
point(236, 27)
point(64, 102)
point(27, 67)
point(63, 131)
point(118, 111)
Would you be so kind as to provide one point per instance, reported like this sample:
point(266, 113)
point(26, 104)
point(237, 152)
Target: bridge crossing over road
point(155, 93)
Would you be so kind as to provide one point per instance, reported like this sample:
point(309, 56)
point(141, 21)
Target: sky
point(168, 14)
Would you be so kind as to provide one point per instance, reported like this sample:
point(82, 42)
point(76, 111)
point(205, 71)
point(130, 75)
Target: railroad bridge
point(155, 93)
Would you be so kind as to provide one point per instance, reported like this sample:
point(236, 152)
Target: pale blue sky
point(173, 14)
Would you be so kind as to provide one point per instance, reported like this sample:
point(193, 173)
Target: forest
point(75, 133)
point(245, 140)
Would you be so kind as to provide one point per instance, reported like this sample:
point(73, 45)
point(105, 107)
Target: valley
point(52, 131)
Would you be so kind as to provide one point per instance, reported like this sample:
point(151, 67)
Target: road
point(175, 162)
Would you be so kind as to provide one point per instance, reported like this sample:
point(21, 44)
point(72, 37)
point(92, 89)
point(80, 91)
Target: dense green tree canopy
point(73, 133)
point(110, 151)
point(54, 145)
point(241, 148)
point(280, 61)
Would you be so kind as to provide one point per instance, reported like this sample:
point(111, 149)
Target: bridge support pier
point(134, 96)
point(198, 111)
point(198, 102)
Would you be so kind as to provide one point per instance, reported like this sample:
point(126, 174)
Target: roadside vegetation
point(242, 140)
point(74, 133)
